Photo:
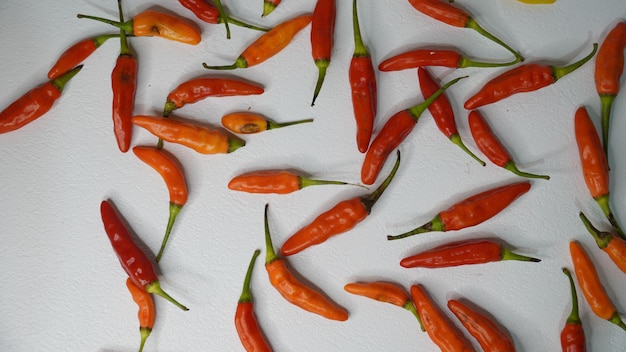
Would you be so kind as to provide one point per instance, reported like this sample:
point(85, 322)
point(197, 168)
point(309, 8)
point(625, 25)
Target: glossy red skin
point(594, 164)
point(323, 29)
point(440, 108)
point(442, 11)
point(250, 333)
point(124, 85)
point(420, 58)
point(200, 88)
point(610, 61)
point(454, 254)
point(488, 334)
point(29, 107)
point(364, 98)
point(73, 56)
point(203, 10)
point(486, 140)
point(573, 338)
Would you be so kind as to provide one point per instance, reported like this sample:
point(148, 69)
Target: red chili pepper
point(442, 111)
point(573, 333)
point(363, 86)
point(275, 181)
point(395, 130)
point(344, 216)
point(269, 6)
point(132, 258)
point(146, 313)
point(521, 79)
point(322, 39)
point(77, 53)
point(248, 329)
point(249, 123)
point(471, 211)
point(34, 103)
point(208, 13)
point(483, 328)
point(454, 16)
point(466, 252)
point(613, 245)
point(490, 145)
point(434, 57)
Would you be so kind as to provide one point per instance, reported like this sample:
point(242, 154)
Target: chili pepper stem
point(411, 308)
point(360, 49)
point(306, 182)
point(506, 254)
point(273, 124)
point(456, 139)
point(369, 201)
point(62, 80)
point(602, 238)
point(434, 225)
point(174, 210)
point(270, 253)
point(246, 294)
point(513, 168)
point(573, 317)
point(617, 320)
point(127, 26)
point(144, 333)
point(155, 288)
point(417, 110)
point(239, 23)
point(235, 143)
point(224, 16)
point(239, 63)
point(322, 66)
point(268, 8)
point(466, 62)
point(607, 103)
point(603, 202)
point(559, 72)
point(471, 23)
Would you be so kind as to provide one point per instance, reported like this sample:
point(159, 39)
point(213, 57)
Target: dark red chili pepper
point(208, 13)
point(573, 333)
point(146, 313)
point(521, 79)
point(610, 243)
point(132, 258)
point(442, 111)
point(275, 181)
point(269, 6)
point(77, 53)
point(490, 146)
point(471, 211)
point(434, 57)
point(34, 103)
point(322, 39)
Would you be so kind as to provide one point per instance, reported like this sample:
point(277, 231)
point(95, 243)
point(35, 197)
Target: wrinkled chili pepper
point(276, 181)
point(613, 245)
point(77, 53)
point(573, 333)
point(594, 164)
point(591, 286)
point(343, 217)
point(249, 123)
point(167, 166)
point(489, 144)
point(247, 326)
point(292, 289)
point(199, 138)
point(208, 13)
point(438, 327)
point(442, 111)
point(434, 57)
point(34, 103)
point(447, 13)
point(465, 252)
point(471, 211)
point(322, 39)
point(269, 6)
point(395, 130)
point(132, 258)
point(268, 44)
point(521, 79)
point(363, 86)
point(146, 313)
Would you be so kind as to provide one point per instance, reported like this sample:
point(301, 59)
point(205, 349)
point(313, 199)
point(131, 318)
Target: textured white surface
point(62, 286)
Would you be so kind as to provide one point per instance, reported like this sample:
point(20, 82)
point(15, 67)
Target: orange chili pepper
point(275, 181)
point(613, 245)
point(434, 57)
point(208, 13)
point(268, 44)
point(269, 6)
point(322, 39)
point(77, 53)
point(292, 289)
point(591, 286)
point(249, 123)
point(146, 313)
point(343, 217)
point(199, 138)
point(573, 333)
point(437, 325)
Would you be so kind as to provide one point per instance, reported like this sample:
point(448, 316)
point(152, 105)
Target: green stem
point(513, 168)
point(224, 16)
point(360, 50)
point(434, 225)
point(239, 63)
point(466, 62)
point(370, 200)
point(270, 253)
point(306, 182)
point(322, 66)
point(145, 333)
point(246, 294)
point(602, 238)
point(268, 8)
point(239, 23)
point(471, 23)
point(127, 26)
point(456, 139)
point(603, 202)
point(174, 210)
point(559, 72)
point(235, 143)
point(506, 254)
point(272, 125)
point(417, 110)
point(155, 288)
point(99, 40)
point(410, 306)
point(607, 104)
point(617, 320)
point(574, 317)
point(62, 80)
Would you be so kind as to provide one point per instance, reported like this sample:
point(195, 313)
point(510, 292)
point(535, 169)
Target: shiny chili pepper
point(77, 53)
point(292, 289)
point(275, 181)
point(343, 217)
point(613, 245)
point(167, 166)
point(268, 44)
point(489, 144)
point(483, 328)
point(591, 286)
point(522, 79)
point(395, 130)
point(322, 39)
point(208, 13)
point(199, 138)
point(146, 313)
point(573, 333)
point(247, 326)
point(249, 123)
point(471, 211)
point(434, 57)
point(269, 6)
point(447, 13)
point(132, 258)
point(466, 252)
point(363, 86)
point(442, 111)
point(34, 103)
point(594, 164)
point(438, 327)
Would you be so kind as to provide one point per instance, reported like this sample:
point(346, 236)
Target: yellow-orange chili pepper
point(146, 313)
point(249, 122)
point(276, 181)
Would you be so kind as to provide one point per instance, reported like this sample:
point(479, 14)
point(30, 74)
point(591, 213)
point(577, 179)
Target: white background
point(63, 288)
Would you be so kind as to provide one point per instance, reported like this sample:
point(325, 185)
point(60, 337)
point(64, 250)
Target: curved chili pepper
point(613, 245)
point(248, 329)
point(292, 289)
point(77, 53)
point(608, 72)
point(522, 79)
point(249, 123)
point(594, 164)
point(199, 138)
point(276, 181)
point(466, 252)
point(269, 6)
point(344, 216)
point(489, 144)
point(395, 130)
point(573, 333)
point(442, 111)
point(268, 44)
point(146, 313)
point(471, 211)
point(434, 57)
point(438, 327)
point(208, 13)
point(167, 166)
point(363, 86)
point(34, 103)
point(322, 39)
point(483, 328)
point(132, 258)
point(454, 16)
